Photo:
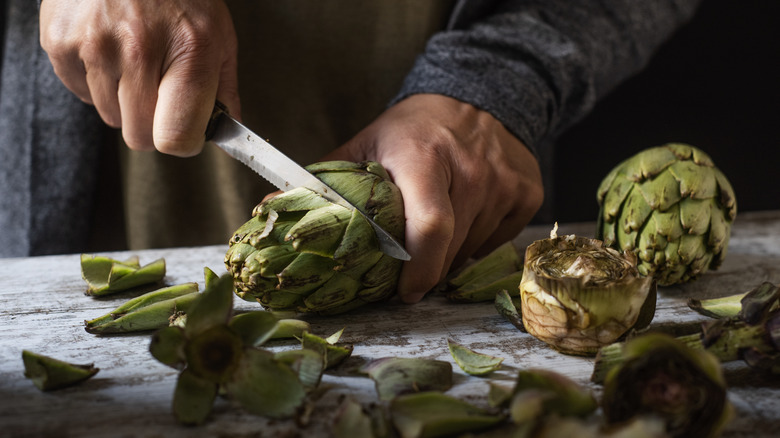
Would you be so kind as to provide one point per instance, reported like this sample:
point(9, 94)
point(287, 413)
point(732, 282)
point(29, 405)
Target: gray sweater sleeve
point(540, 65)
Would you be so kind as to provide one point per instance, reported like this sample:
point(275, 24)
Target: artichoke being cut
point(578, 295)
point(672, 207)
point(301, 252)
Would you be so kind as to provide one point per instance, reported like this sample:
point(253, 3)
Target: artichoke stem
point(726, 347)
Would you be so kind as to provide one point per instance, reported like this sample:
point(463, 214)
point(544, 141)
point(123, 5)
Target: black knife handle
point(219, 109)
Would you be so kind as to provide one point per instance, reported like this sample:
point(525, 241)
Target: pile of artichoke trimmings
point(578, 295)
point(672, 207)
point(301, 252)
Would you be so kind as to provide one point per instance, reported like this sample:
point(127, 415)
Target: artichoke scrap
point(301, 252)
point(672, 207)
point(578, 295)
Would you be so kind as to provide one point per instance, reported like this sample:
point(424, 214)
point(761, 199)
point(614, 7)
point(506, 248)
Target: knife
point(249, 148)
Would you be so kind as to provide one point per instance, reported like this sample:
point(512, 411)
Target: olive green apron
point(311, 75)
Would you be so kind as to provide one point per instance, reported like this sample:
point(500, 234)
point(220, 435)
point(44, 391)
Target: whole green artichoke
point(672, 207)
point(301, 252)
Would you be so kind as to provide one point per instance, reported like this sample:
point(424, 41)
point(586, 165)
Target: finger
point(184, 103)
point(71, 71)
point(62, 51)
point(103, 87)
point(480, 230)
point(429, 229)
point(137, 98)
point(509, 227)
point(227, 90)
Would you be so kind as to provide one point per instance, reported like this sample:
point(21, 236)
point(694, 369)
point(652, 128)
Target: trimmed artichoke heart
point(578, 295)
point(301, 252)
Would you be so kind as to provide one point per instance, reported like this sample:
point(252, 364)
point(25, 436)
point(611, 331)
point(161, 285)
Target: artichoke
point(301, 252)
point(672, 207)
point(579, 295)
point(660, 376)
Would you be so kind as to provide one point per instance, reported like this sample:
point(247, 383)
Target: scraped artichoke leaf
point(661, 376)
point(749, 307)
point(476, 364)
point(353, 420)
point(507, 307)
point(500, 270)
point(578, 295)
point(499, 395)
point(105, 275)
point(724, 307)
point(433, 414)
point(289, 328)
point(528, 406)
point(255, 328)
point(394, 376)
point(193, 398)
point(309, 365)
point(167, 346)
point(140, 302)
point(759, 302)
point(213, 307)
point(48, 373)
point(333, 354)
point(147, 315)
point(265, 386)
point(557, 393)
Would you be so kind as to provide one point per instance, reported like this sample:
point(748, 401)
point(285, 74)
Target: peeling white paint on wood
point(44, 307)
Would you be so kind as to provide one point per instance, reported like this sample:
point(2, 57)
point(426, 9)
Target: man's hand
point(152, 68)
point(468, 184)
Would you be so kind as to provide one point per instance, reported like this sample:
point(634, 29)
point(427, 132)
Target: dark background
point(714, 85)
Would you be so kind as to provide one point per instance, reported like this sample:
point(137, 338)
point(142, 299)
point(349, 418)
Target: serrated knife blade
point(249, 148)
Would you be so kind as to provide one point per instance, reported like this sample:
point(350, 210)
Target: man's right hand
point(152, 68)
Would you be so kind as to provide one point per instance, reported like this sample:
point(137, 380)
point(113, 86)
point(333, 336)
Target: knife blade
point(249, 148)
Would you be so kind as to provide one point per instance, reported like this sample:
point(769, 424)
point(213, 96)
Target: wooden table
point(44, 306)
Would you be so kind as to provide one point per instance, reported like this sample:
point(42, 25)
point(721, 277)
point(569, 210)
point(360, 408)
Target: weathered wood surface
point(44, 306)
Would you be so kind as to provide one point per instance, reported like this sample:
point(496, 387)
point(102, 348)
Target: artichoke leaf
point(432, 414)
point(696, 181)
point(299, 199)
point(48, 373)
point(148, 317)
point(476, 364)
point(394, 376)
point(167, 346)
point(506, 307)
point(659, 193)
point(649, 164)
point(193, 398)
point(265, 386)
point(105, 275)
point(559, 394)
point(144, 300)
point(332, 354)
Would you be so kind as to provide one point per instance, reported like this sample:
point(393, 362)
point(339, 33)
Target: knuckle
point(176, 143)
point(434, 225)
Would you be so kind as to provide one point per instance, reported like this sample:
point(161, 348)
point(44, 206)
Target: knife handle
point(219, 109)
